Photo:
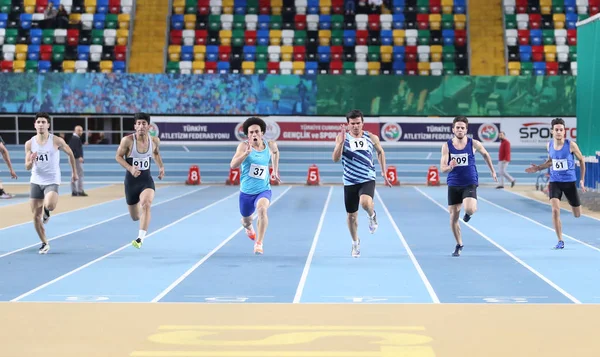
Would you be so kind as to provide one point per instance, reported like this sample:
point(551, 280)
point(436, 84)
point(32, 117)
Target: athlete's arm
point(242, 152)
point(62, 145)
point(274, 156)
point(575, 150)
point(157, 158)
point(29, 159)
point(122, 151)
point(486, 155)
point(545, 165)
point(380, 153)
point(339, 144)
point(444, 160)
point(6, 157)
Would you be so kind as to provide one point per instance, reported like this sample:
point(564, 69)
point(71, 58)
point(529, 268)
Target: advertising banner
point(434, 131)
point(185, 132)
point(535, 132)
point(530, 132)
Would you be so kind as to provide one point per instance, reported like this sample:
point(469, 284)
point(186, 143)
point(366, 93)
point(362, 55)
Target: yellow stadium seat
point(559, 21)
point(298, 67)
point(21, 52)
point(106, 66)
point(275, 37)
point(386, 53)
point(374, 68)
point(199, 52)
point(399, 36)
point(189, 21)
point(124, 20)
point(435, 21)
point(174, 52)
point(248, 67)
point(19, 66)
point(460, 21)
point(514, 68)
point(198, 67)
point(287, 52)
point(69, 66)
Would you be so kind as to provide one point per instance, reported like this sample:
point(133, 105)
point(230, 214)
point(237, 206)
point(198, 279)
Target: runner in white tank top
point(43, 159)
point(134, 155)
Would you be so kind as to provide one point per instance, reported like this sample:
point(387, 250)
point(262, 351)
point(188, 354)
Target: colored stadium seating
point(416, 37)
point(96, 39)
point(541, 35)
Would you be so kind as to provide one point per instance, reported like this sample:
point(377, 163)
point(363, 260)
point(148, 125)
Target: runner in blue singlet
point(563, 177)
point(357, 150)
point(458, 160)
point(253, 156)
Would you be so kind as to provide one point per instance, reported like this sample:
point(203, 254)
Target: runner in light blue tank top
point(254, 175)
point(253, 157)
point(563, 175)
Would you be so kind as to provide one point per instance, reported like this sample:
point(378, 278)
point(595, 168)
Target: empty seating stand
point(541, 35)
point(413, 37)
point(96, 38)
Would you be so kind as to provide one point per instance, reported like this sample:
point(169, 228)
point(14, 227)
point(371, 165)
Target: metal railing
point(87, 119)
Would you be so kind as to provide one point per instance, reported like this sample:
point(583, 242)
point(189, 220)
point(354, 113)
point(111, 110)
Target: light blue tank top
point(563, 163)
point(358, 158)
point(254, 175)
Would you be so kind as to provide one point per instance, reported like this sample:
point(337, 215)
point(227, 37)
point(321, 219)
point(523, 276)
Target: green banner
point(447, 96)
point(588, 86)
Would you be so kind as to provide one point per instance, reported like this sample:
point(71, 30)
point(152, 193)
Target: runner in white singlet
point(134, 154)
point(43, 159)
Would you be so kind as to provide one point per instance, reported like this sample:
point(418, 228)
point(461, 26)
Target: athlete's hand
point(248, 148)
point(74, 177)
point(494, 175)
point(161, 173)
point(13, 174)
point(275, 176)
point(533, 168)
point(134, 172)
point(453, 163)
point(342, 135)
point(387, 181)
point(583, 188)
point(33, 157)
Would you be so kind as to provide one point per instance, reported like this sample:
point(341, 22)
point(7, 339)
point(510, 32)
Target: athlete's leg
point(367, 203)
point(470, 205)
point(246, 204)
point(146, 198)
point(555, 192)
point(262, 206)
point(555, 202)
point(37, 211)
point(50, 200)
point(134, 211)
point(367, 192)
point(454, 224)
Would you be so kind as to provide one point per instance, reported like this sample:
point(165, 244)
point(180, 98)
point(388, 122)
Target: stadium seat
point(541, 36)
point(97, 33)
point(416, 37)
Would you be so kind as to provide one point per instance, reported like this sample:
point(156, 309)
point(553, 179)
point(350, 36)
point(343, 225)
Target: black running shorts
point(556, 190)
point(352, 194)
point(456, 194)
point(135, 186)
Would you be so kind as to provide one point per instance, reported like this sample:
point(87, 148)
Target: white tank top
point(141, 160)
point(46, 169)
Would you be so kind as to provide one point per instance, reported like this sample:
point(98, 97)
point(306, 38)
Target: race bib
point(141, 163)
point(258, 171)
point(42, 158)
point(358, 144)
point(461, 159)
point(560, 164)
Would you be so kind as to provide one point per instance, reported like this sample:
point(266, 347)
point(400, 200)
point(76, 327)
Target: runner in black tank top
point(134, 154)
